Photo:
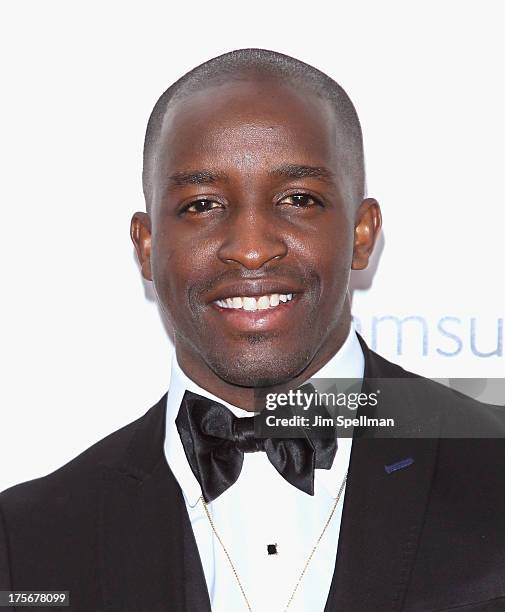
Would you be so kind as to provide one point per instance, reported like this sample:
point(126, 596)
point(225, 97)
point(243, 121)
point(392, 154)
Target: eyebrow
point(301, 171)
point(211, 177)
point(196, 177)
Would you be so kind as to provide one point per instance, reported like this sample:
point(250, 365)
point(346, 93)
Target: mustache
point(300, 276)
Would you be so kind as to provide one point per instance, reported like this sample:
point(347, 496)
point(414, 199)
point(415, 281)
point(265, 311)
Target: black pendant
point(272, 549)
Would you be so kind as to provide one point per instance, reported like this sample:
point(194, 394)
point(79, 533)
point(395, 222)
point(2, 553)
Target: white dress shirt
point(262, 508)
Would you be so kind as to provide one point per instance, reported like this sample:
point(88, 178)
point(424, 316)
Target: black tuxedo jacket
point(111, 526)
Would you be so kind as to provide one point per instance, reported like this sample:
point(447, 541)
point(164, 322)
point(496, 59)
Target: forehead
point(248, 124)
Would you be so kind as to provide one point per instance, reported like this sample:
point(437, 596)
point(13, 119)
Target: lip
point(252, 288)
point(265, 320)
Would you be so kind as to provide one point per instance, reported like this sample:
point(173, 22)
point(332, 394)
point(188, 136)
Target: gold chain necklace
point(306, 563)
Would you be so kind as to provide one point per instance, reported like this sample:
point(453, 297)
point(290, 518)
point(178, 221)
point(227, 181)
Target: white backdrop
point(83, 351)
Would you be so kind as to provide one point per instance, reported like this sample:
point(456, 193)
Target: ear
point(140, 232)
point(366, 231)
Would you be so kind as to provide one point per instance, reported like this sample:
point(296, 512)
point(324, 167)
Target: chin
point(257, 367)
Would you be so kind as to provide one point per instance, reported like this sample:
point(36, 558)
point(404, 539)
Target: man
point(256, 214)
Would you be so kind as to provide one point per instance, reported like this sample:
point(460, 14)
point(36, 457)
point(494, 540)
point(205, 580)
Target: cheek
point(332, 259)
point(177, 268)
point(327, 249)
point(170, 264)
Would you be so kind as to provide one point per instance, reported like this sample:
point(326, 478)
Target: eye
point(300, 200)
point(201, 206)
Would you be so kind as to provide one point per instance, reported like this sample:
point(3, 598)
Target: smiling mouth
point(254, 303)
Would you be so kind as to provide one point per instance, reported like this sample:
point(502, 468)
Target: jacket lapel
point(383, 508)
point(149, 557)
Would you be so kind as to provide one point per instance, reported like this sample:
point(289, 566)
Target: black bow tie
point(215, 441)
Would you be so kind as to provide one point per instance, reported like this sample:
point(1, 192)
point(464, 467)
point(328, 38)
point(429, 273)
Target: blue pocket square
point(399, 465)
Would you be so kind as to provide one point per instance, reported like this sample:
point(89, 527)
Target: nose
point(252, 240)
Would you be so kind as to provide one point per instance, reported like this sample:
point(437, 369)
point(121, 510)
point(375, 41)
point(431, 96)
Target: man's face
point(251, 230)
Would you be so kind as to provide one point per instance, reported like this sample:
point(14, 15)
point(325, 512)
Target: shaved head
point(262, 66)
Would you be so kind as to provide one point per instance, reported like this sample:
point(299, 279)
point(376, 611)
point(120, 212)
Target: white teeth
point(263, 302)
point(249, 303)
point(252, 303)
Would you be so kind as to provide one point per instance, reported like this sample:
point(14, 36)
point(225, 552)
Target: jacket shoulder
point(110, 451)
point(460, 416)
point(41, 520)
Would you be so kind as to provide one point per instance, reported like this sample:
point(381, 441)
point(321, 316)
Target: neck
point(244, 397)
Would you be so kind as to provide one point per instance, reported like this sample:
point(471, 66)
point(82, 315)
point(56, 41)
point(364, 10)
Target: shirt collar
point(348, 362)
point(174, 450)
